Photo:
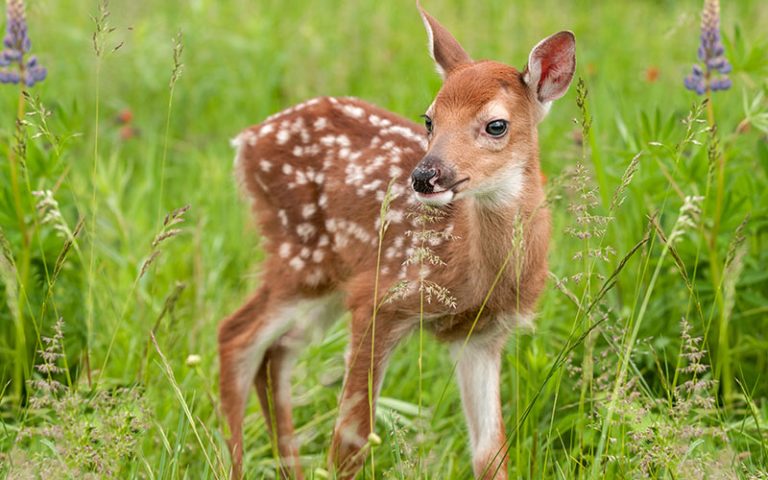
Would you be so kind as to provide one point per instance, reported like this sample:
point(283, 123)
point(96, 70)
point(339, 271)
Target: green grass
point(598, 390)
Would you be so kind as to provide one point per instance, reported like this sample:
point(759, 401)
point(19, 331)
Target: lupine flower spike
point(711, 75)
point(14, 67)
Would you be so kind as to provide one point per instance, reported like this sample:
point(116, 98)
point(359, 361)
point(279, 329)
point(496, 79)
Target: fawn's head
point(482, 124)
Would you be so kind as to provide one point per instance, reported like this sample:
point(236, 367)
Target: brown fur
point(317, 174)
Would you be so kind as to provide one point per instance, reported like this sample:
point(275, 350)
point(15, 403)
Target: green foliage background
point(568, 415)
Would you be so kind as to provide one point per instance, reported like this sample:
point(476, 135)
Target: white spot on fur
point(353, 111)
point(395, 216)
point(308, 210)
point(318, 255)
point(250, 138)
point(285, 250)
point(296, 263)
point(314, 278)
point(346, 230)
point(305, 231)
point(283, 136)
point(404, 132)
point(320, 123)
point(374, 185)
point(283, 218)
point(265, 165)
point(287, 168)
point(395, 171)
point(298, 125)
point(266, 129)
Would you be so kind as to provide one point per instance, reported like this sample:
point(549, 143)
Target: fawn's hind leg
point(273, 380)
point(273, 386)
point(257, 344)
point(244, 338)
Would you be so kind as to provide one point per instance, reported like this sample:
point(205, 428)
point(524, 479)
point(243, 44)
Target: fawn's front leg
point(477, 370)
point(363, 376)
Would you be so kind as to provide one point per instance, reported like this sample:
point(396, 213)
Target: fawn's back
point(317, 174)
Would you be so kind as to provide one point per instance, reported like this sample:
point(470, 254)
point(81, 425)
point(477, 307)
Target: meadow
point(124, 240)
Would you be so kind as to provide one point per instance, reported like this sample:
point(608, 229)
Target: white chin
point(435, 199)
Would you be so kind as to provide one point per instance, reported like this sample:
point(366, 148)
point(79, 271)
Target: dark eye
point(496, 128)
point(427, 123)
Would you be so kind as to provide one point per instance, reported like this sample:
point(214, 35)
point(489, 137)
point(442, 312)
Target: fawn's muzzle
point(431, 175)
point(424, 179)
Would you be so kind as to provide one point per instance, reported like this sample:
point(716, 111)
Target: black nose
point(424, 179)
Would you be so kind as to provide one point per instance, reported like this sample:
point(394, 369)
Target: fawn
point(317, 175)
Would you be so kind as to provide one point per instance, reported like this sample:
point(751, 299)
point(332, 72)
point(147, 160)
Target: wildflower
point(124, 117)
point(321, 473)
point(193, 360)
point(651, 74)
point(374, 439)
point(711, 53)
point(14, 67)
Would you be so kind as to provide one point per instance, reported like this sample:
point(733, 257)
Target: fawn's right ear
point(443, 48)
point(550, 68)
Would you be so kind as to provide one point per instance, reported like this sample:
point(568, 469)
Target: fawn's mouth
point(442, 197)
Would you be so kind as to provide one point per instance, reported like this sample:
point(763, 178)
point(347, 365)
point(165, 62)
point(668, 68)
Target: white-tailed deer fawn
point(317, 174)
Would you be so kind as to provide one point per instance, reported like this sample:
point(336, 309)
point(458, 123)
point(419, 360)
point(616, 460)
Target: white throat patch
point(502, 190)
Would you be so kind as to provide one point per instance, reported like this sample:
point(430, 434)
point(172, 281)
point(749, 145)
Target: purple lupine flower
point(13, 66)
point(711, 75)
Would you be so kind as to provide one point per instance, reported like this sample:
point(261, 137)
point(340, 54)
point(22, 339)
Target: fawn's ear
point(443, 48)
point(550, 67)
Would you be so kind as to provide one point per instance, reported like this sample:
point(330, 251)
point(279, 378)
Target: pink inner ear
point(557, 64)
point(546, 65)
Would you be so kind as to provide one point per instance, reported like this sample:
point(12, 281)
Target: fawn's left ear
point(550, 67)
point(443, 48)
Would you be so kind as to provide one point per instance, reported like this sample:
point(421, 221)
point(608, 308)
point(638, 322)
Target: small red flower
point(125, 116)
point(651, 74)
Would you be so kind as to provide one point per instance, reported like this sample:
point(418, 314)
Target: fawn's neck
point(495, 234)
